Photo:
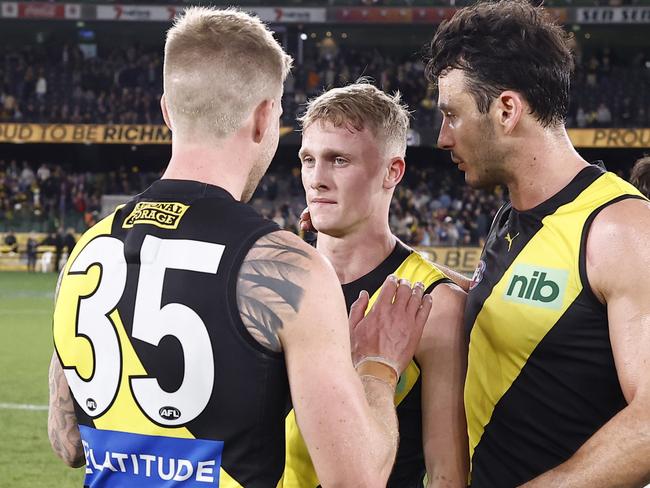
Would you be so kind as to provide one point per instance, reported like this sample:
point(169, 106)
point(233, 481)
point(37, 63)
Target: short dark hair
point(507, 45)
point(640, 176)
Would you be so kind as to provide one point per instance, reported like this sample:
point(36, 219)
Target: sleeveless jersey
point(409, 467)
point(169, 387)
point(541, 376)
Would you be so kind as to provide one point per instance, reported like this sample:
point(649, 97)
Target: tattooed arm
point(62, 428)
point(271, 286)
point(290, 299)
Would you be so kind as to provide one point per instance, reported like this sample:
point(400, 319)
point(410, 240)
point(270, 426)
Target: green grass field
point(26, 459)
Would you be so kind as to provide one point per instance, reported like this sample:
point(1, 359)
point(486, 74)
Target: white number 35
point(151, 323)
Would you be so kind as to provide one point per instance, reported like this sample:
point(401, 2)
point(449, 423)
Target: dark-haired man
point(558, 386)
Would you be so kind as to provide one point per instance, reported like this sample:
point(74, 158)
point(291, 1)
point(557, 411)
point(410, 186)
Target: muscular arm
point(290, 300)
point(271, 286)
point(618, 260)
point(442, 356)
point(62, 428)
point(456, 277)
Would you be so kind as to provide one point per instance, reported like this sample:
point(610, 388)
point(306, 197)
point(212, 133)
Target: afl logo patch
point(478, 275)
point(170, 413)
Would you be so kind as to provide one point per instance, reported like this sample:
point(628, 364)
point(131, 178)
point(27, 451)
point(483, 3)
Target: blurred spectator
point(32, 246)
point(603, 115)
point(581, 118)
point(69, 240)
point(11, 242)
point(41, 86)
point(55, 239)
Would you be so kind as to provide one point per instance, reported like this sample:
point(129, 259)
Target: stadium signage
point(137, 13)
point(90, 134)
point(85, 134)
point(40, 10)
point(290, 15)
point(278, 15)
point(463, 259)
point(613, 15)
point(611, 138)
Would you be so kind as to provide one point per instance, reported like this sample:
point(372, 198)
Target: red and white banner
point(137, 13)
point(613, 15)
point(40, 10)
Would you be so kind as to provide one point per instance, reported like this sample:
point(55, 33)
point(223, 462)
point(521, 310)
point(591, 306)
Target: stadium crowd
point(54, 83)
point(43, 197)
point(60, 84)
point(432, 206)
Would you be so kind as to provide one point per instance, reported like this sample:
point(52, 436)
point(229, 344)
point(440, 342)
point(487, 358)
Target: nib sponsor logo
point(537, 286)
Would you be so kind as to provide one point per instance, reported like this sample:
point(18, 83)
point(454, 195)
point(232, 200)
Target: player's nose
point(445, 139)
point(319, 176)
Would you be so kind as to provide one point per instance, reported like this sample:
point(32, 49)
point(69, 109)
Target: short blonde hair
point(219, 64)
point(362, 105)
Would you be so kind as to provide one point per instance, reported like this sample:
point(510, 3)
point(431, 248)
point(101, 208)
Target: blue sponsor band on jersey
point(123, 459)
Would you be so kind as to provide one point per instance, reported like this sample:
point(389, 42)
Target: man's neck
point(543, 170)
point(357, 254)
point(212, 165)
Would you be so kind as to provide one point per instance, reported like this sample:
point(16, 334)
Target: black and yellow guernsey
point(541, 376)
point(409, 468)
point(169, 387)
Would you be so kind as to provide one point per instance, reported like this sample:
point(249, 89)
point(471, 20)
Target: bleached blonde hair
point(219, 64)
point(362, 105)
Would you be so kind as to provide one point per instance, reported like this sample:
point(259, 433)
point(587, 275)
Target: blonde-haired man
point(183, 318)
point(352, 154)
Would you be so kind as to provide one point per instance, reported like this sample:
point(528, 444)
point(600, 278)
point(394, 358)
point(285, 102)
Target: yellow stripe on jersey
point(299, 470)
point(74, 351)
point(499, 345)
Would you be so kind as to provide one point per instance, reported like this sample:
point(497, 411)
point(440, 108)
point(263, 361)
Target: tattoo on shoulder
point(270, 287)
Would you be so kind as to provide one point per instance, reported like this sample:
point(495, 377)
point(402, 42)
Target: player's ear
point(509, 108)
point(262, 119)
point(394, 172)
point(165, 113)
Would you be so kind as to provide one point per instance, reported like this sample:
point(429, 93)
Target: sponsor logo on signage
point(614, 15)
